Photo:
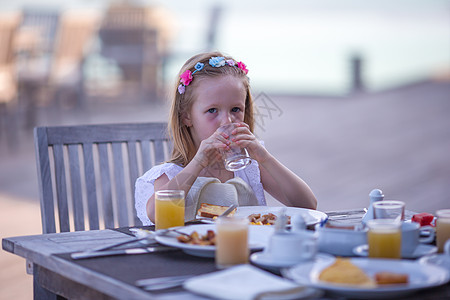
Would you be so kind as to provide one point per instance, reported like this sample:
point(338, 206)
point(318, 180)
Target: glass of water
point(236, 158)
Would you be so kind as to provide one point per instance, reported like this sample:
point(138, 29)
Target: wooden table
point(55, 273)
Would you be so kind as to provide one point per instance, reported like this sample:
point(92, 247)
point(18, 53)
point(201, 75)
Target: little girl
point(214, 90)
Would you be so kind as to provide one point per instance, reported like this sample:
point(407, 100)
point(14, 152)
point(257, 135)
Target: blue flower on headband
point(199, 66)
point(217, 61)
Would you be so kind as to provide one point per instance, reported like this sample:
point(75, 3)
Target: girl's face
point(218, 101)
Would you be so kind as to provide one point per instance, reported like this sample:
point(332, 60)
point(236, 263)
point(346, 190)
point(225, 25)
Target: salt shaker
point(375, 195)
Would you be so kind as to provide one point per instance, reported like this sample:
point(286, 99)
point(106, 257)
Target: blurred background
point(350, 95)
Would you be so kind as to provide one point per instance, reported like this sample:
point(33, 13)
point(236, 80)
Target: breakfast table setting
point(300, 254)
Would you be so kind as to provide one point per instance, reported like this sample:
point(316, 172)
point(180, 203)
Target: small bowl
point(340, 241)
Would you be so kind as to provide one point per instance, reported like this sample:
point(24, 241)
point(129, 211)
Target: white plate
point(310, 216)
point(265, 261)
point(258, 239)
point(442, 260)
point(421, 250)
point(420, 277)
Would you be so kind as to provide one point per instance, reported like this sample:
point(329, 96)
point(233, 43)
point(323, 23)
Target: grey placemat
point(129, 268)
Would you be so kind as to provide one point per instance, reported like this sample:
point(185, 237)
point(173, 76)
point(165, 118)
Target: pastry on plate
point(344, 272)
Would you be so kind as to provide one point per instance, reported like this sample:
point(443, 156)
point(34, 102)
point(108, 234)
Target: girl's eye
point(212, 110)
point(235, 109)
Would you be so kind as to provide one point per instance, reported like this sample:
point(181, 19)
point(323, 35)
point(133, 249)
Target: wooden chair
point(9, 23)
point(8, 86)
point(87, 173)
point(34, 51)
point(128, 39)
point(74, 42)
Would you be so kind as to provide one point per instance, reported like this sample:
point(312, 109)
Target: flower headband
point(218, 61)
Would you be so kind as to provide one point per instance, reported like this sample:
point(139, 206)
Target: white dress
point(244, 183)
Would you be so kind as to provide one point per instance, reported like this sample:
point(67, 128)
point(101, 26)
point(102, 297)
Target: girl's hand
point(209, 151)
point(243, 137)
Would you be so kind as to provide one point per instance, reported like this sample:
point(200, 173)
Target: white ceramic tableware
point(310, 216)
point(421, 276)
point(265, 261)
point(258, 239)
point(412, 245)
point(442, 259)
point(339, 241)
point(291, 247)
point(411, 233)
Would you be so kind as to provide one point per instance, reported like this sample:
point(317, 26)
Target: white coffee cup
point(411, 233)
point(291, 247)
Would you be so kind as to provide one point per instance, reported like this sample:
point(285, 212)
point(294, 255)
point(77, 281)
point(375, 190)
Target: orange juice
point(169, 209)
point(231, 242)
point(387, 244)
point(442, 228)
point(384, 238)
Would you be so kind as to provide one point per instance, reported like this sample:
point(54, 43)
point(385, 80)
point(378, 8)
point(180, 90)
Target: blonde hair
point(183, 144)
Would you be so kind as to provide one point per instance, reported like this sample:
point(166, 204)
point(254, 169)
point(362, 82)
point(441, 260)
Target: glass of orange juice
point(384, 238)
point(442, 228)
point(169, 209)
point(231, 241)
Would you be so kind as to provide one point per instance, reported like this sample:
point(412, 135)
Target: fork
point(168, 230)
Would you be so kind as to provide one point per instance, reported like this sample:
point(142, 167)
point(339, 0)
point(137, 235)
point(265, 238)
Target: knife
point(91, 254)
point(213, 220)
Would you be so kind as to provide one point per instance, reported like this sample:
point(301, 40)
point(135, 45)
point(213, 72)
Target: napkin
point(239, 282)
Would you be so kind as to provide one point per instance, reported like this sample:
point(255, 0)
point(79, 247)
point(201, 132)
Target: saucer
point(442, 260)
point(265, 261)
point(421, 250)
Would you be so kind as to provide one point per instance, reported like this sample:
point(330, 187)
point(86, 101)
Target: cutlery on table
point(160, 283)
point(224, 214)
point(102, 248)
point(228, 211)
point(91, 254)
point(169, 230)
point(280, 294)
point(150, 236)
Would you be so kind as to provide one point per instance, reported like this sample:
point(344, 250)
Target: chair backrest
point(75, 33)
point(8, 84)
point(87, 173)
point(47, 21)
point(8, 26)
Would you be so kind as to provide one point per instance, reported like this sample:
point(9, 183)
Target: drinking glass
point(442, 228)
point(169, 208)
point(389, 209)
point(231, 241)
point(384, 238)
point(236, 158)
point(385, 235)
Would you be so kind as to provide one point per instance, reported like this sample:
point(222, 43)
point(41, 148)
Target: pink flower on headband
point(243, 67)
point(186, 77)
point(231, 62)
